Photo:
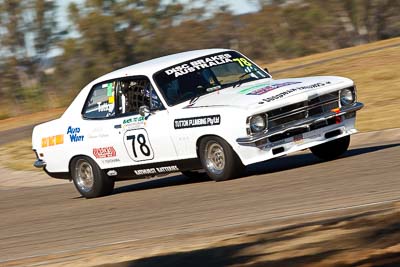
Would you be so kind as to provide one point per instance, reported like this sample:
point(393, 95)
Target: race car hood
point(269, 93)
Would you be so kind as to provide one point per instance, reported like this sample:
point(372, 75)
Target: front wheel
point(332, 149)
point(218, 159)
point(89, 179)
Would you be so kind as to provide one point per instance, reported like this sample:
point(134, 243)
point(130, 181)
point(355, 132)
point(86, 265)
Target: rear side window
point(101, 102)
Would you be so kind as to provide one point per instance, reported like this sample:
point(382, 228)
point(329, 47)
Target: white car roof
point(147, 68)
point(152, 66)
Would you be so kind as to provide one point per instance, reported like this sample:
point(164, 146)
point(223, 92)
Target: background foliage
point(108, 34)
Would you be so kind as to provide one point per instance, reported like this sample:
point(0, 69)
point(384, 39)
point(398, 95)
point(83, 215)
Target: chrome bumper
point(39, 163)
point(304, 123)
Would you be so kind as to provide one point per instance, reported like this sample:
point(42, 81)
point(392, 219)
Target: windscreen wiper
point(208, 90)
point(241, 77)
point(197, 95)
point(213, 89)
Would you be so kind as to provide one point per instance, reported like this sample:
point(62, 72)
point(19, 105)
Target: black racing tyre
point(218, 159)
point(89, 179)
point(332, 149)
point(195, 175)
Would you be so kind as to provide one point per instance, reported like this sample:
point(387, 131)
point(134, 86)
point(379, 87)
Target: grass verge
point(375, 74)
point(18, 155)
point(29, 119)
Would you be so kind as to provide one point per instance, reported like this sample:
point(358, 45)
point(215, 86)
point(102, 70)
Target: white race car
point(204, 113)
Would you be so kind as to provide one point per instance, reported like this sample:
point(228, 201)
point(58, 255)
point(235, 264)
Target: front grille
point(284, 116)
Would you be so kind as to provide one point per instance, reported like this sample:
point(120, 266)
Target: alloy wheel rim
point(215, 157)
point(84, 175)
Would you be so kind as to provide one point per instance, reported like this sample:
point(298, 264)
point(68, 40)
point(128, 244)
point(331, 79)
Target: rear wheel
point(218, 159)
point(89, 179)
point(332, 149)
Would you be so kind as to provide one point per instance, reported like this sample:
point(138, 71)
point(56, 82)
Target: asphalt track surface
point(52, 221)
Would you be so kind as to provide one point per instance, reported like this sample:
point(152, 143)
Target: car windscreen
point(206, 74)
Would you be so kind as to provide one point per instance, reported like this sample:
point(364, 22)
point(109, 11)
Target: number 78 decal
point(137, 143)
point(243, 62)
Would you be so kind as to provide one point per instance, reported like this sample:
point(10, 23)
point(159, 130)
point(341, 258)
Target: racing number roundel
point(137, 143)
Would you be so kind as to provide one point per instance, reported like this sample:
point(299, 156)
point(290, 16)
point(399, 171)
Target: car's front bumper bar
point(304, 123)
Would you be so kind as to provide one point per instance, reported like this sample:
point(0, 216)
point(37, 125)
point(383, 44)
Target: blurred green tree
point(110, 34)
point(13, 53)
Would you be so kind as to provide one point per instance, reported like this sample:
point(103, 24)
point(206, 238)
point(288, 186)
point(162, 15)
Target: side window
point(134, 93)
point(101, 102)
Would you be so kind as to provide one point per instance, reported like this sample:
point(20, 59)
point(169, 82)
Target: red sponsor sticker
point(104, 152)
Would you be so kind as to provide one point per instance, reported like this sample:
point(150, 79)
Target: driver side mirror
point(266, 69)
point(144, 111)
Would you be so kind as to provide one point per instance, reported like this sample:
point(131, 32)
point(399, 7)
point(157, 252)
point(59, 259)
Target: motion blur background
point(51, 49)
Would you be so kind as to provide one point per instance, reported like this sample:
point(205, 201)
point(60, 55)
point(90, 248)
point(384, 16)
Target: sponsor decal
point(133, 123)
point(159, 170)
point(97, 133)
point(110, 88)
point(110, 94)
point(105, 107)
point(104, 152)
point(74, 134)
point(266, 89)
point(242, 62)
point(199, 64)
point(249, 89)
point(53, 140)
point(290, 91)
point(197, 121)
point(110, 161)
point(137, 144)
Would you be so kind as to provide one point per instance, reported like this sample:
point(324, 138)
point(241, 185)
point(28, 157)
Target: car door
point(147, 137)
point(101, 139)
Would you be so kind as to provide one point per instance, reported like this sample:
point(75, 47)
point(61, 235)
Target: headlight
point(257, 123)
point(347, 97)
